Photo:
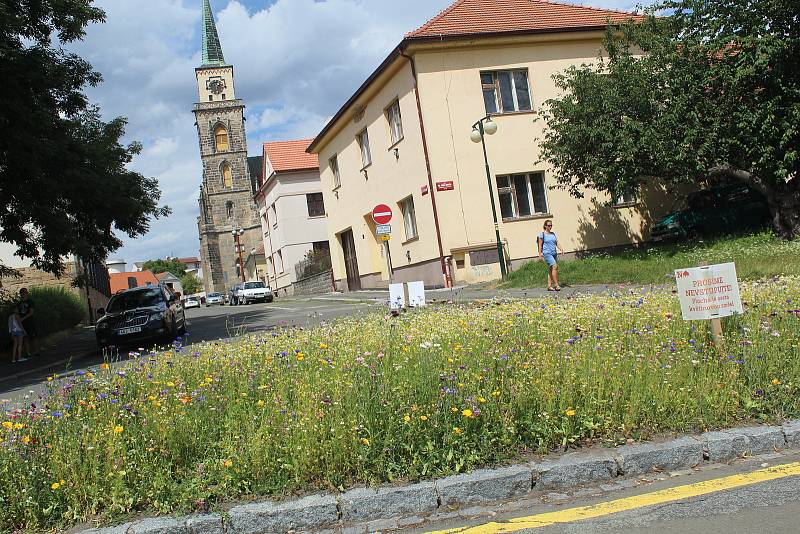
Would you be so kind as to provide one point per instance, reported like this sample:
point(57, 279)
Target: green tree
point(191, 284)
point(65, 185)
point(165, 266)
point(712, 90)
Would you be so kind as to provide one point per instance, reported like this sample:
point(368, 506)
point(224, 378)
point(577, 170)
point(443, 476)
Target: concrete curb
point(363, 510)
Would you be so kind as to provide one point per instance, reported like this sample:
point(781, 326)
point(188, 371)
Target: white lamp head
point(490, 127)
point(475, 135)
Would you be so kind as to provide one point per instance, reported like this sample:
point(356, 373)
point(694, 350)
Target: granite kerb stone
point(723, 446)
point(791, 432)
point(761, 439)
point(386, 502)
point(485, 485)
point(314, 511)
point(574, 469)
point(643, 458)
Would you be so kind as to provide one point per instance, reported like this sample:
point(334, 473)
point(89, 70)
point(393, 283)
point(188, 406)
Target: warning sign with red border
point(708, 292)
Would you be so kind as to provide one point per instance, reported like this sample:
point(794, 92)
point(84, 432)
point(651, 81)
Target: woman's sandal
point(551, 289)
point(558, 288)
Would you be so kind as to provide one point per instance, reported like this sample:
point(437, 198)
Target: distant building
point(116, 266)
point(171, 281)
point(122, 281)
point(292, 211)
point(256, 264)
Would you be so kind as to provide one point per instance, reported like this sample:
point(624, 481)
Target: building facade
point(292, 212)
point(404, 140)
point(226, 195)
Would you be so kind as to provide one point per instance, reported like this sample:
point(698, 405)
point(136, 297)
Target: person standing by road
point(18, 335)
point(548, 249)
point(25, 309)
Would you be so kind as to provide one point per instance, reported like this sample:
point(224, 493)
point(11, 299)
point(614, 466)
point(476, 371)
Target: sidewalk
point(54, 356)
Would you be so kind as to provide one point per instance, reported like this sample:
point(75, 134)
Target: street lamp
point(237, 234)
point(486, 126)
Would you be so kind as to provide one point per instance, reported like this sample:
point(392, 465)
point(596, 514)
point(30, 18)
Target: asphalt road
point(206, 324)
point(771, 506)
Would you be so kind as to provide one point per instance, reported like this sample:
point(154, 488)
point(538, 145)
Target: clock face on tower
point(215, 85)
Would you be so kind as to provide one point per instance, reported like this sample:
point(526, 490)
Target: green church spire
point(212, 49)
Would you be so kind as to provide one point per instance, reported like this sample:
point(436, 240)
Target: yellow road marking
point(631, 503)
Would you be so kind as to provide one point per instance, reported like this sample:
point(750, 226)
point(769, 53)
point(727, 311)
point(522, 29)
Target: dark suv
point(141, 315)
point(713, 211)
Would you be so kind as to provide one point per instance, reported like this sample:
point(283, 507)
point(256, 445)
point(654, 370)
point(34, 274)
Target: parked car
point(713, 211)
point(254, 292)
point(140, 315)
point(214, 299)
point(191, 302)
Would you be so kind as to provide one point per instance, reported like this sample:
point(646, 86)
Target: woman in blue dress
point(548, 250)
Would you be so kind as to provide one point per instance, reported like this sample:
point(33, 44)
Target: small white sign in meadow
point(708, 292)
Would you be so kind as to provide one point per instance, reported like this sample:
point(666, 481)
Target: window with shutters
point(221, 138)
point(363, 143)
point(395, 122)
point(333, 163)
point(409, 218)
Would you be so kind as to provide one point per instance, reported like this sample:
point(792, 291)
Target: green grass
point(756, 256)
point(374, 398)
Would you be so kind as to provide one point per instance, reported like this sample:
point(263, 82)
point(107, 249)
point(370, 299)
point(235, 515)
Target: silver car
point(215, 299)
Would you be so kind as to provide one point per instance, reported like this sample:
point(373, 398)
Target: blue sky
point(296, 62)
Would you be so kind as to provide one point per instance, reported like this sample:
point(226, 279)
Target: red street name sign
point(381, 214)
point(445, 186)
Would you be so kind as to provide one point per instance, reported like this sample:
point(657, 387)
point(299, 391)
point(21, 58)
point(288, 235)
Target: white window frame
point(512, 190)
point(395, 120)
point(363, 144)
point(495, 86)
point(280, 260)
point(333, 163)
point(409, 218)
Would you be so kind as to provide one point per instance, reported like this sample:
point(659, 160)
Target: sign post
point(382, 215)
point(709, 292)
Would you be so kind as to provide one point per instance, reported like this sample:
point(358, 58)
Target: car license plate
point(131, 330)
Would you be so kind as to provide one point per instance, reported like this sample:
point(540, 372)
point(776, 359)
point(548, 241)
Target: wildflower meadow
point(377, 398)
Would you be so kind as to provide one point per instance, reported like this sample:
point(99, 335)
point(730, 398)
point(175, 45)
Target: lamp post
point(237, 234)
point(486, 126)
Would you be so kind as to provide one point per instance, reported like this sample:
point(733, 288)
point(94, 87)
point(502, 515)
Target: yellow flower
point(8, 424)
point(26, 440)
point(54, 486)
point(170, 384)
point(300, 357)
point(414, 408)
point(496, 393)
point(89, 375)
point(482, 400)
point(227, 463)
point(570, 412)
point(118, 429)
point(260, 404)
point(454, 409)
point(456, 430)
point(323, 345)
point(49, 378)
point(18, 426)
point(466, 413)
point(364, 441)
point(461, 384)
point(450, 360)
point(775, 382)
point(423, 417)
point(151, 397)
point(406, 418)
point(104, 366)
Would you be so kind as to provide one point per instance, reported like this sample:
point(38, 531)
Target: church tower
point(226, 196)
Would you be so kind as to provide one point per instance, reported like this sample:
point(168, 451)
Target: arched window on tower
point(229, 209)
point(227, 177)
point(221, 138)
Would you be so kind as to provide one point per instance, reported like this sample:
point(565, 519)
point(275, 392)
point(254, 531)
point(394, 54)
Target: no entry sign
point(382, 214)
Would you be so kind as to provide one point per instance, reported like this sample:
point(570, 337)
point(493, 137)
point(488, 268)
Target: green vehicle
point(713, 211)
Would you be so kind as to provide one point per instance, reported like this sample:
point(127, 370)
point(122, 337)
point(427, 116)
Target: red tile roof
point(189, 260)
point(119, 281)
point(291, 155)
point(475, 17)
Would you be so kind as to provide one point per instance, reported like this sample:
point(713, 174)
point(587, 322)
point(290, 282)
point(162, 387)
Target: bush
point(56, 309)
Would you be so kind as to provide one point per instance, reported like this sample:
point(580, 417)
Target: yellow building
point(404, 140)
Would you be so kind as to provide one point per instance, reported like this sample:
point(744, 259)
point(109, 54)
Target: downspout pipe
point(447, 282)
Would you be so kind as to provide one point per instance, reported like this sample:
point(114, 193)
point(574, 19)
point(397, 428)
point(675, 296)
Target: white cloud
point(296, 62)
